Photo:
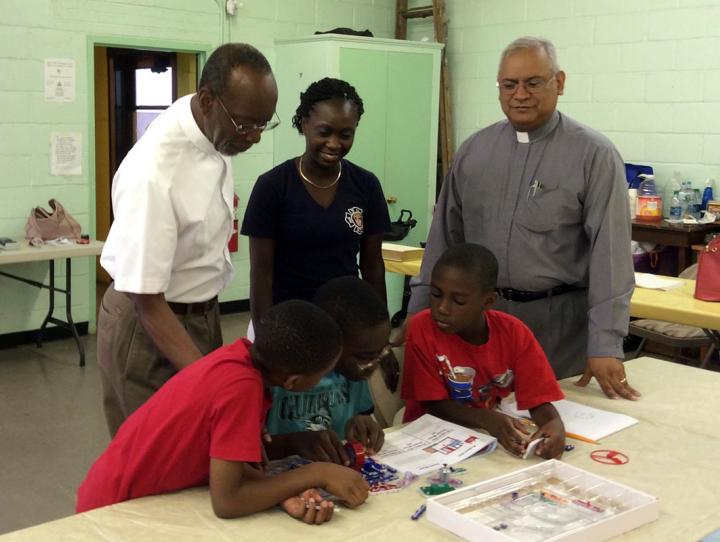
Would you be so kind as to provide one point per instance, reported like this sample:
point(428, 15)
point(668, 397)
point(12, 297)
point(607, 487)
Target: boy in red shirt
point(204, 426)
point(461, 358)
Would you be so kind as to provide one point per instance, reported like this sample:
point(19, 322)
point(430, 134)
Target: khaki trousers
point(131, 367)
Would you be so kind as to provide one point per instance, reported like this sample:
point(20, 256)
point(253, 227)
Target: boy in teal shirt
point(313, 423)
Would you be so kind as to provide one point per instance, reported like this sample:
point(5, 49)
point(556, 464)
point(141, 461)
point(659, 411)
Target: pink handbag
point(707, 283)
point(45, 225)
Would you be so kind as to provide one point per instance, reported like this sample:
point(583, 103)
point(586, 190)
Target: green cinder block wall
point(32, 30)
point(646, 73)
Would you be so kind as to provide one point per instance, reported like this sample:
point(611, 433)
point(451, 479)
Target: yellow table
point(678, 306)
point(409, 268)
point(672, 451)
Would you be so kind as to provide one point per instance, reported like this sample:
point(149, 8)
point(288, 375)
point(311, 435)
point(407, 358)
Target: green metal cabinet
point(399, 83)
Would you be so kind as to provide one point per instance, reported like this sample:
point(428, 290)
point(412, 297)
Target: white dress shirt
point(172, 201)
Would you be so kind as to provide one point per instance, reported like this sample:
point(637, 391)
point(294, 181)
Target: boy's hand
point(554, 444)
point(346, 484)
point(305, 507)
point(320, 446)
point(512, 433)
point(366, 431)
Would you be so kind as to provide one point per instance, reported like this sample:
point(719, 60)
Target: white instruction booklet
point(582, 420)
point(428, 443)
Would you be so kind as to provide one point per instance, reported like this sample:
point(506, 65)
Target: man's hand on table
point(610, 374)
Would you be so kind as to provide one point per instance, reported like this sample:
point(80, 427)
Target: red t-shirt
point(511, 360)
point(215, 407)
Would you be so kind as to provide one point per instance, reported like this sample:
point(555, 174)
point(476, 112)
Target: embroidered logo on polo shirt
point(354, 219)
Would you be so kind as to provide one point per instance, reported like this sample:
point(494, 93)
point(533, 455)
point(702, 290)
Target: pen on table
point(580, 437)
point(419, 512)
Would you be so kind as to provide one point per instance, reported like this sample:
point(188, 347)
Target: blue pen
point(419, 512)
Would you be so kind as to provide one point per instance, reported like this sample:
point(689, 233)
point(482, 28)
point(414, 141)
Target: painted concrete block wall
point(646, 73)
point(32, 30)
point(260, 22)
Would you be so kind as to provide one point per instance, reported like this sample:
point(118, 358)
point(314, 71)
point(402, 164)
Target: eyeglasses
point(244, 129)
point(534, 85)
point(377, 359)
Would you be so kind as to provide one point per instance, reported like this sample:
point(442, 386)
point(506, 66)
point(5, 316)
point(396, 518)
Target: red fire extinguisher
point(233, 243)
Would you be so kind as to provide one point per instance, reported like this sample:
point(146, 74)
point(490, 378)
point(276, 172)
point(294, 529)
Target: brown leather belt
point(192, 308)
point(520, 296)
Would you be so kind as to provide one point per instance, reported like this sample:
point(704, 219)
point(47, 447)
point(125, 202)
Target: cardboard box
point(634, 508)
point(714, 207)
point(401, 253)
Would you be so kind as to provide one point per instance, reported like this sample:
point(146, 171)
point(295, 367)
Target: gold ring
point(623, 381)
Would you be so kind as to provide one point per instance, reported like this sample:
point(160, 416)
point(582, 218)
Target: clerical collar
point(539, 133)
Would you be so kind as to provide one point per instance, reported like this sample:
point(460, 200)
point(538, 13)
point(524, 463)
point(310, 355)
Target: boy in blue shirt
point(313, 423)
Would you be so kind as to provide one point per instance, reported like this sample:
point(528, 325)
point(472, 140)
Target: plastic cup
point(461, 383)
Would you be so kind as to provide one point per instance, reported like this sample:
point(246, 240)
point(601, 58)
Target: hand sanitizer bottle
point(707, 194)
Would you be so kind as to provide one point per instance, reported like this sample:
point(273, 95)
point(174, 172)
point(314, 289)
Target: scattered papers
point(588, 422)
point(428, 443)
point(707, 218)
point(654, 282)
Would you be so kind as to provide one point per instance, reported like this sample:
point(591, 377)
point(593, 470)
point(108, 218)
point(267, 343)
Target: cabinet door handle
point(391, 199)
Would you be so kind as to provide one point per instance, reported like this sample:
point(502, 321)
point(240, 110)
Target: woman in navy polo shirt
point(310, 217)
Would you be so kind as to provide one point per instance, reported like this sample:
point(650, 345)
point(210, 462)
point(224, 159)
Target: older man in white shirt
point(173, 210)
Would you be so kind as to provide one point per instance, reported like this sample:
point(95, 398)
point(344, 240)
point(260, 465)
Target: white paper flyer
point(428, 443)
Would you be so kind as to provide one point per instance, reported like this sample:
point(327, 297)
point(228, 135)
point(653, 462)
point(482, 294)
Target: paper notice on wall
point(59, 80)
point(65, 153)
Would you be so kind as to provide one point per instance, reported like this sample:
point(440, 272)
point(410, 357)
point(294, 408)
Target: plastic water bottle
point(696, 200)
point(676, 212)
point(707, 194)
point(672, 188)
point(686, 197)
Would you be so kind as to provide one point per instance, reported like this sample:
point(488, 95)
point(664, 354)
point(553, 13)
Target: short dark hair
point(475, 259)
point(325, 89)
point(297, 337)
point(223, 60)
point(353, 304)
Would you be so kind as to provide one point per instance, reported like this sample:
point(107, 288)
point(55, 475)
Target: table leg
point(50, 318)
point(51, 304)
point(684, 258)
point(714, 334)
point(68, 310)
point(400, 315)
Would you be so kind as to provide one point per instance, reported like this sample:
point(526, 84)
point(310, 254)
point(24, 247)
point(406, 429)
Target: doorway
point(132, 87)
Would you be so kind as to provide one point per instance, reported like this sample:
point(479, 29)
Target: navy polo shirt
point(314, 244)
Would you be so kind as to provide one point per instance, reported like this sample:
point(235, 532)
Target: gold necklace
point(315, 184)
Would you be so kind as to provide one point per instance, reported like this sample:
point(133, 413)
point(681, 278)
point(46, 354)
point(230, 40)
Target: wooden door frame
point(201, 49)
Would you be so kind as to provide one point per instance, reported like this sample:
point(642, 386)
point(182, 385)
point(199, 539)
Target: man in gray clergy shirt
point(548, 196)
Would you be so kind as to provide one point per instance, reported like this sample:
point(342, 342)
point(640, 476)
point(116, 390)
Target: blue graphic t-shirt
point(329, 405)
